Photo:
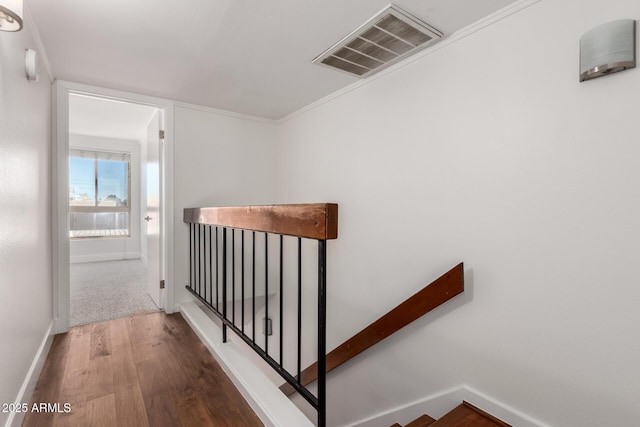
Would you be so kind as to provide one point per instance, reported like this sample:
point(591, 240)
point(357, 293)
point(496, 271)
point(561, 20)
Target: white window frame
point(96, 156)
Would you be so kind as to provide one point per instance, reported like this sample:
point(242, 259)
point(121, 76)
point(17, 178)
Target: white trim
point(499, 409)
point(60, 190)
point(225, 113)
point(167, 236)
point(116, 256)
point(29, 384)
point(60, 208)
point(269, 403)
point(434, 405)
point(43, 58)
point(437, 405)
point(445, 42)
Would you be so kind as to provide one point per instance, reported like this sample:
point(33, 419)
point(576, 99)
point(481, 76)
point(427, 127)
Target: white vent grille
point(390, 36)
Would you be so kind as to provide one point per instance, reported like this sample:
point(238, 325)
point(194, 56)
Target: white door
point(151, 224)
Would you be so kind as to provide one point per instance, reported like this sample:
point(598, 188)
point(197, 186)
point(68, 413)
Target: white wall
point(111, 248)
point(489, 151)
point(25, 213)
point(220, 160)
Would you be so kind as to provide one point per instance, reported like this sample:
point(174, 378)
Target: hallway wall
point(486, 150)
point(221, 159)
point(25, 213)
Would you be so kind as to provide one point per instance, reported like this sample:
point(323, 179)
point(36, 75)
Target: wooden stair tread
point(467, 415)
point(422, 421)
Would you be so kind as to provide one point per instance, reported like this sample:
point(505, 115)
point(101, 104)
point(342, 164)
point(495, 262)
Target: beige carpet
point(108, 290)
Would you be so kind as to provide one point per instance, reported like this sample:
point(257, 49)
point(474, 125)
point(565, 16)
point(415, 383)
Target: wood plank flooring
point(144, 370)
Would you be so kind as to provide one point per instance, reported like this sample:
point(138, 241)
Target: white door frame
point(60, 192)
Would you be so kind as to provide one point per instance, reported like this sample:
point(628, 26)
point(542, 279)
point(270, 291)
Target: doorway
point(114, 182)
point(111, 192)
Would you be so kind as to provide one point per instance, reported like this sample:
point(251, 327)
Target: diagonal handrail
point(433, 295)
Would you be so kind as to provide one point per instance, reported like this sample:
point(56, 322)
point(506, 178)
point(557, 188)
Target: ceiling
point(247, 56)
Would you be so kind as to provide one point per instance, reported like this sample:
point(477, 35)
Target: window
point(99, 193)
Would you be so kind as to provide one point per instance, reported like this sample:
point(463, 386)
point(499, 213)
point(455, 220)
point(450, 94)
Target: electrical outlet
point(266, 326)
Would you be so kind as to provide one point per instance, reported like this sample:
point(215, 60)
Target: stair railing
point(214, 236)
point(422, 302)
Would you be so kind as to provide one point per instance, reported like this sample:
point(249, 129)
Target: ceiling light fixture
point(10, 15)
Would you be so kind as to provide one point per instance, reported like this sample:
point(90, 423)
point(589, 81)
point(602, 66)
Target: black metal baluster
point(204, 249)
point(266, 292)
point(191, 256)
point(224, 283)
point(217, 274)
point(233, 276)
point(281, 298)
point(201, 261)
point(242, 280)
point(299, 307)
point(253, 290)
point(210, 270)
point(195, 257)
point(199, 264)
point(322, 332)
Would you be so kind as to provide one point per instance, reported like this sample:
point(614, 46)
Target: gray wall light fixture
point(31, 65)
point(607, 49)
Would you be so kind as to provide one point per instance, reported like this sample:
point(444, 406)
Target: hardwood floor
point(145, 370)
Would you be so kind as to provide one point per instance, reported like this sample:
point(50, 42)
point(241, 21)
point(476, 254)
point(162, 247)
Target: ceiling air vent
point(390, 36)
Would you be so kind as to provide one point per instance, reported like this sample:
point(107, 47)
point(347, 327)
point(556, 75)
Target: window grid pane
point(99, 194)
point(112, 183)
point(82, 177)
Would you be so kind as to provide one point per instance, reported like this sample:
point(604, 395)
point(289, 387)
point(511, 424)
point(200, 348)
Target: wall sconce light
point(10, 15)
point(607, 49)
point(31, 65)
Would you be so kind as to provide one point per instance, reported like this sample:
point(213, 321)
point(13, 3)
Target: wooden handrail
point(312, 220)
point(438, 292)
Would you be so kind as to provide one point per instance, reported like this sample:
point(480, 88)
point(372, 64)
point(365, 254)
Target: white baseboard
point(77, 259)
point(499, 409)
point(29, 384)
point(437, 405)
point(434, 405)
point(272, 407)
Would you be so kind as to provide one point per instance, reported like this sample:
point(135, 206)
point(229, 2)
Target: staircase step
point(422, 421)
point(467, 415)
